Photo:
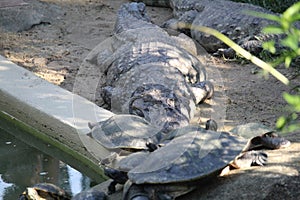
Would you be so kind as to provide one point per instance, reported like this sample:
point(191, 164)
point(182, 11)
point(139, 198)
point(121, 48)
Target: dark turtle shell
point(91, 194)
point(126, 132)
point(191, 156)
point(45, 191)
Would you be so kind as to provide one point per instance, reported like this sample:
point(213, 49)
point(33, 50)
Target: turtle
point(269, 139)
point(91, 194)
point(125, 132)
point(117, 170)
point(47, 191)
point(193, 156)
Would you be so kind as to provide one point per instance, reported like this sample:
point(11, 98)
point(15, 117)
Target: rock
point(21, 18)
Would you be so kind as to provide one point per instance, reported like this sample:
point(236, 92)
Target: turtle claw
point(250, 158)
point(259, 158)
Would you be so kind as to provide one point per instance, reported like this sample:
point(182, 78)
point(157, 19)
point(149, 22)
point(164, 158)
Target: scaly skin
point(158, 3)
point(149, 73)
point(241, 27)
point(230, 18)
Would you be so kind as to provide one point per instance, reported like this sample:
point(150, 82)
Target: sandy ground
point(55, 51)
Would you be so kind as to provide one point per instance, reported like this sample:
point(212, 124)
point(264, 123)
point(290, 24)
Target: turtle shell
point(250, 130)
point(91, 194)
point(194, 155)
point(126, 132)
point(260, 136)
point(253, 132)
point(45, 191)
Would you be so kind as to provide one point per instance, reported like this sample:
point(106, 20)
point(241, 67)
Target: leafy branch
point(285, 26)
point(265, 66)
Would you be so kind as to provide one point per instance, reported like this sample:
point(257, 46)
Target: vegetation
point(286, 26)
point(291, 50)
point(277, 6)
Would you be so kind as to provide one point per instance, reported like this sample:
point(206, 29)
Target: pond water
point(22, 165)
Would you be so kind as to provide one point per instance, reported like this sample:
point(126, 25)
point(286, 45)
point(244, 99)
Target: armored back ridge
point(230, 18)
point(149, 73)
point(132, 16)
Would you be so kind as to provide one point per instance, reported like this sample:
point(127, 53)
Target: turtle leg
point(119, 177)
point(151, 146)
point(133, 191)
point(112, 187)
point(202, 90)
point(250, 158)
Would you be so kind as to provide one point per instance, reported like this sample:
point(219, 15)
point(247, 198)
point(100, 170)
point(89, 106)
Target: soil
point(55, 47)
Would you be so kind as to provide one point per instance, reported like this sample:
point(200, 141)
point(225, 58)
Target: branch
point(260, 63)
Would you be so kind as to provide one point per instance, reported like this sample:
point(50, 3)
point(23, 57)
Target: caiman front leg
point(202, 91)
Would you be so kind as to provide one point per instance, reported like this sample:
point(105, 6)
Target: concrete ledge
point(51, 110)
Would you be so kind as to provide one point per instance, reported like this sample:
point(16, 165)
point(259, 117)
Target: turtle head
point(211, 125)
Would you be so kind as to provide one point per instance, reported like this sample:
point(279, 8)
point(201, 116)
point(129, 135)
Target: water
point(22, 165)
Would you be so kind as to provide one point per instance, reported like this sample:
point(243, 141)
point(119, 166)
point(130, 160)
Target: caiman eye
point(170, 102)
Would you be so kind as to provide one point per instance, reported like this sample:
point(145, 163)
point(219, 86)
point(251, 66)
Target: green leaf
point(291, 41)
point(297, 52)
point(273, 29)
point(287, 61)
point(281, 122)
point(294, 116)
point(295, 17)
point(291, 12)
point(293, 100)
point(269, 46)
point(293, 127)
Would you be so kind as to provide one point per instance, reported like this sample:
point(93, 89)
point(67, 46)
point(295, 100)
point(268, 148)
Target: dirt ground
point(55, 50)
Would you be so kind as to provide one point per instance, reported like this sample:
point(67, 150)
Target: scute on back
point(125, 131)
point(193, 155)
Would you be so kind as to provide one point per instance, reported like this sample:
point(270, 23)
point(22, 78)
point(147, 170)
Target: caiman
point(233, 19)
point(150, 73)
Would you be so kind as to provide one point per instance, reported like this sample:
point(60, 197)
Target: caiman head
point(160, 106)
